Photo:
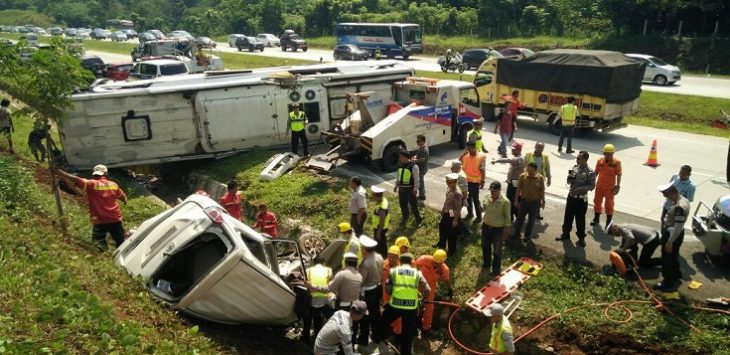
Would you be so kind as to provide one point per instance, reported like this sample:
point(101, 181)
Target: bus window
point(469, 96)
point(483, 78)
point(412, 35)
point(397, 35)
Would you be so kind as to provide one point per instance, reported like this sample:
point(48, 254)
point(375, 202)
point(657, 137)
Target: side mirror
point(651, 65)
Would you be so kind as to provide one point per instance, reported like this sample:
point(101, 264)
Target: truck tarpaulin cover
point(610, 75)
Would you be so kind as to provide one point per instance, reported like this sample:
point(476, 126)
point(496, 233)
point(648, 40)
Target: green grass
point(23, 17)
point(59, 294)
point(246, 61)
point(560, 285)
point(680, 112)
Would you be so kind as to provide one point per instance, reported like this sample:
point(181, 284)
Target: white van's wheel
point(311, 245)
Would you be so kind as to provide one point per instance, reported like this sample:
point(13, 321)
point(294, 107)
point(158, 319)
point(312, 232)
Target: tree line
point(493, 18)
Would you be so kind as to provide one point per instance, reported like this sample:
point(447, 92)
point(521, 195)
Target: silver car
point(119, 36)
point(658, 71)
point(268, 39)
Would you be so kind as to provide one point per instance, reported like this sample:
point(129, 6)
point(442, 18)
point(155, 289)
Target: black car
point(473, 58)
point(350, 52)
point(250, 43)
point(93, 64)
point(130, 33)
point(146, 37)
point(205, 42)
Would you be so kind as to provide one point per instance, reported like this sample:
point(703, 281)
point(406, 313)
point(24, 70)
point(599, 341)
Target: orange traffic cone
point(652, 160)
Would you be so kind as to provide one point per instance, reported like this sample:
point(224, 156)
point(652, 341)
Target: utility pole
point(643, 33)
point(679, 31)
point(56, 189)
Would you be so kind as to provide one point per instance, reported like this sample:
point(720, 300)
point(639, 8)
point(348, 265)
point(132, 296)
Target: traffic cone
point(652, 160)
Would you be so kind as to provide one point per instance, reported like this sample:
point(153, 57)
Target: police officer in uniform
point(338, 330)
point(450, 215)
point(404, 283)
point(297, 125)
point(406, 186)
point(581, 180)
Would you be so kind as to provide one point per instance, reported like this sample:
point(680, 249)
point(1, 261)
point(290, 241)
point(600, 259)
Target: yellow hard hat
point(394, 249)
point(439, 256)
point(609, 148)
point(344, 227)
point(402, 242)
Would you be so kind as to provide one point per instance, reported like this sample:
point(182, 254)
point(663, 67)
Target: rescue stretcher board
point(504, 284)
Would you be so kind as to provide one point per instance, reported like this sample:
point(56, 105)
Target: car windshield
point(294, 36)
point(658, 61)
point(252, 39)
point(412, 35)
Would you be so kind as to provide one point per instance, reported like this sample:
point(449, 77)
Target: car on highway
point(157, 33)
point(31, 38)
point(55, 31)
point(232, 39)
point(206, 42)
point(100, 34)
point(83, 34)
point(250, 43)
point(130, 33)
point(118, 71)
point(474, 57)
point(146, 37)
point(40, 32)
point(268, 39)
point(70, 32)
point(197, 259)
point(350, 52)
point(657, 71)
point(514, 52)
point(291, 40)
point(118, 36)
point(94, 64)
point(181, 35)
point(155, 68)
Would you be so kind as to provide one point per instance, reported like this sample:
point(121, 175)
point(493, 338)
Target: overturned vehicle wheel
point(311, 245)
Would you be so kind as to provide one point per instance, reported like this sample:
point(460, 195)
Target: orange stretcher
point(504, 284)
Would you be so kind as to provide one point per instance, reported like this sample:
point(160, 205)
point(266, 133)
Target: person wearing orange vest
point(474, 164)
point(568, 114)
point(501, 342)
point(608, 183)
point(433, 269)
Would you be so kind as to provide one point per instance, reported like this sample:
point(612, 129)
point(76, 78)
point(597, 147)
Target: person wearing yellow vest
point(502, 339)
point(474, 163)
point(543, 165)
point(406, 186)
point(319, 310)
point(567, 115)
point(390, 263)
point(380, 220)
point(353, 244)
point(403, 286)
point(475, 135)
point(297, 125)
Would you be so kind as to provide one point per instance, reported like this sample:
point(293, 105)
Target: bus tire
point(389, 162)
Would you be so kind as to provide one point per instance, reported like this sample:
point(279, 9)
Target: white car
point(199, 260)
point(658, 71)
point(156, 68)
point(232, 39)
point(268, 39)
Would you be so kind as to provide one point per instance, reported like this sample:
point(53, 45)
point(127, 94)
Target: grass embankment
point(685, 113)
point(61, 296)
point(321, 202)
point(22, 17)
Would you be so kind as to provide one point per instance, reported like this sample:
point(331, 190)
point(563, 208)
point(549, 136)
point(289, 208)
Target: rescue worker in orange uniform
point(608, 183)
point(391, 262)
point(433, 269)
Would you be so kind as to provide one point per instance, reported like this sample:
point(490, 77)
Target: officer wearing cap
point(581, 179)
point(634, 234)
point(380, 219)
point(516, 167)
point(495, 228)
point(461, 181)
point(370, 269)
point(672, 236)
point(502, 339)
point(403, 286)
point(346, 284)
point(102, 195)
point(434, 269)
point(338, 330)
point(297, 125)
point(450, 215)
point(475, 135)
point(406, 186)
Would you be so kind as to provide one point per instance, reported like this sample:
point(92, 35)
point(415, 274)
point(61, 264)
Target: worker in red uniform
point(102, 195)
point(391, 262)
point(433, 269)
point(231, 200)
point(514, 105)
point(266, 221)
point(608, 184)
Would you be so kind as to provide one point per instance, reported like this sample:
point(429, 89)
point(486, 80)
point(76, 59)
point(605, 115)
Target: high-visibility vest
point(497, 343)
point(478, 141)
point(567, 114)
point(375, 219)
point(297, 121)
point(353, 246)
point(471, 167)
point(404, 175)
point(319, 275)
point(530, 158)
point(405, 287)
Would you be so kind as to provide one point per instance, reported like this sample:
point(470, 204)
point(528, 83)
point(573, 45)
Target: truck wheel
point(462, 136)
point(389, 162)
point(460, 67)
point(310, 244)
point(660, 80)
point(294, 49)
point(304, 49)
